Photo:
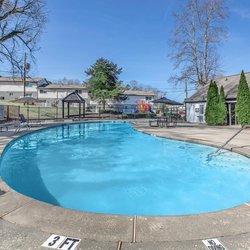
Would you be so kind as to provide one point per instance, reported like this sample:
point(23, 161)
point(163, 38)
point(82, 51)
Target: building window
point(43, 91)
point(202, 109)
point(148, 98)
point(29, 94)
point(79, 91)
point(11, 94)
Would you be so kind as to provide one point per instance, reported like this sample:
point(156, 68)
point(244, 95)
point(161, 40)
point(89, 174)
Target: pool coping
point(36, 215)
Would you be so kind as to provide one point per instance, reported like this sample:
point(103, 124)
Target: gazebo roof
point(73, 97)
point(167, 101)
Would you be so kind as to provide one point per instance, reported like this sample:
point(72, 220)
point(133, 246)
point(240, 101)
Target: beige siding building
point(13, 88)
point(54, 93)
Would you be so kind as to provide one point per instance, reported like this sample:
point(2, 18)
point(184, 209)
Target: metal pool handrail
point(210, 155)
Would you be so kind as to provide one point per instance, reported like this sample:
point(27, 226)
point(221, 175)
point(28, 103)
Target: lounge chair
point(22, 123)
point(7, 125)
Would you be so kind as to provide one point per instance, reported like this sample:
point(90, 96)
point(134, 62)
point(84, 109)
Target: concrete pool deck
point(26, 223)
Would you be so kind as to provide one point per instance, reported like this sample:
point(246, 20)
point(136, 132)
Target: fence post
point(19, 108)
point(38, 113)
point(8, 113)
point(28, 112)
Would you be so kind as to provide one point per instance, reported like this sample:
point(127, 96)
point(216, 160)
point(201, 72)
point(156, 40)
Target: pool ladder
point(209, 157)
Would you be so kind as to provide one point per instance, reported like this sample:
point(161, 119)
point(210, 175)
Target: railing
point(209, 157)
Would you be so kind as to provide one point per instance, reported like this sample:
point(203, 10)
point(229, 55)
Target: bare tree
point(199, 30)
point(21, 23)
point(135, 85)
point(66, 80)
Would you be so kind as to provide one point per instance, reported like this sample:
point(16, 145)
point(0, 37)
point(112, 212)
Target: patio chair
point(152, 121)
point(174, 119)
point(155, 120)
point(161, 121)
point(22, 123)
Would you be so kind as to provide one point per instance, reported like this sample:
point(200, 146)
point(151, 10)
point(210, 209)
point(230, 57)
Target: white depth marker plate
point(61, 242)
point(213, 244)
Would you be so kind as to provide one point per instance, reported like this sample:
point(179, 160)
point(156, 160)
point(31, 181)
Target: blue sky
point(132, 33)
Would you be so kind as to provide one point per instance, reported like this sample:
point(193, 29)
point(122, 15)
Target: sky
point(133, 34)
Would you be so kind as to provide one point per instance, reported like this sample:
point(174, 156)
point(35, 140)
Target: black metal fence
point(11, 112)
point(33, 113)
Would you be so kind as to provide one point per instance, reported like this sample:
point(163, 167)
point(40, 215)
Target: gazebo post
point(68, 110)
point(83, 110)
point(63, 109)
point(80, 110)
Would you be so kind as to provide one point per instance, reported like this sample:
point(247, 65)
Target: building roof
point(230, 84)
point(139, 93)
point(66, 86)
point(20, 80)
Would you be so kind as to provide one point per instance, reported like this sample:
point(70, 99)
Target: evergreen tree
point(222, 108)
point(103, 83)
point(211, 113)
point(243, 101)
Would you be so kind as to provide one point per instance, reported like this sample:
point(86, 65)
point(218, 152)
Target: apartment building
point(51, 94)
point(13, 88)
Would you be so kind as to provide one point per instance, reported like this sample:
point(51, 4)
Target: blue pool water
point(111, 168)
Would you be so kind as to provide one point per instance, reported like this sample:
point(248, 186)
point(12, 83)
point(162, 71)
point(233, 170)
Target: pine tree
point(211, 113)
point(243, 101)
point(222, 108)
point(103, 83)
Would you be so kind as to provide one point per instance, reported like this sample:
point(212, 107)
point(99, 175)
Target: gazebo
point(73, 97)
point(172, 103)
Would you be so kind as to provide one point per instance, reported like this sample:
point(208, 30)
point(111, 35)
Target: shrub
point(222, 108)
point(211, 113)
point(243, 101)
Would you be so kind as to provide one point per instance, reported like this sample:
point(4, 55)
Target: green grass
point(34, 112)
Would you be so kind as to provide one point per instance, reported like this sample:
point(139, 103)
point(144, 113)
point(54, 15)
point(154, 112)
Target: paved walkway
point(214, 136)
point(26, 223)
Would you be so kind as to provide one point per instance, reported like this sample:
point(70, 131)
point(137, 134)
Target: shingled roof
point(230, 84)
point(66, 86)
point(73, 97)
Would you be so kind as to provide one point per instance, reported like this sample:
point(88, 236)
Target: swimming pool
point(111, 168)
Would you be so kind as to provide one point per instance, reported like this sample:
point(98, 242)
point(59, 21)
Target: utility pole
point(24, 74)
point(186, 88)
